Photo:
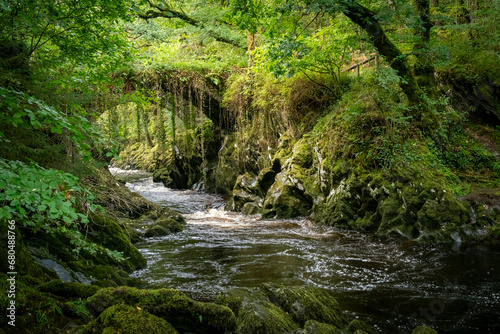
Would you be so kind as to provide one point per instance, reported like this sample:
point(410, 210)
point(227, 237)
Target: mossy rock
point(393, 204)
point(357, 326)
point(306, 303)
point(106, 231)
point(266, 178)
point(285, 199)
point(185, 314)
point(302, 154)
point(316, 327)
point(255, 313)
point(68, 290)
point(105, 276)
point(424, 330)
point(246, 190)
point(126, 319)
point(251, 208)
point(164, 226)
point(444, 209)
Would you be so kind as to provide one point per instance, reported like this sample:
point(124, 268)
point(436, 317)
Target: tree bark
point(365, 18)
point(424, 69)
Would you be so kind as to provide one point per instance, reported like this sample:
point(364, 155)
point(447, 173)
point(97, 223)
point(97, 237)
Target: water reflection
point(391, 283)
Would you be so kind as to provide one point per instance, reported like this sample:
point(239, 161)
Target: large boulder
point(394, 205)
point(126, 319)
point(185, 314)
point(271, 308)
point(287, 198)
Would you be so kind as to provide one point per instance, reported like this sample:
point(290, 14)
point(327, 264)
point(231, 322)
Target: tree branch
point(170, 13)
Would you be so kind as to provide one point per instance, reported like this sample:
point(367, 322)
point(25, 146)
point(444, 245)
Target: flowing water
point(392, 284)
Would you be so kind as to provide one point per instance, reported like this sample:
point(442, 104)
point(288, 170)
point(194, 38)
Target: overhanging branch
point(170, 13)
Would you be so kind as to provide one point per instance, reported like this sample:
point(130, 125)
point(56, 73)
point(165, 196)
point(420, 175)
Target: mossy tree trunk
point(173, 109)
point(367, 20)
point(424, 68)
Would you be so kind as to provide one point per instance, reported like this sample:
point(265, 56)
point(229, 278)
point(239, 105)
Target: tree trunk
point(366, 19)
point(424, 69)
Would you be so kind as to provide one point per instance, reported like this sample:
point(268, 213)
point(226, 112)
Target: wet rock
point(162, 227)
point(185, 314)
point(265, 179)
point(255, 314)
point(306, 303)
point(316, 327)
point(251, 208)
point(424, 330)
point(358, 326)
point(403, 207)
point(127, 319)
point(286, 198)
point(248, 189)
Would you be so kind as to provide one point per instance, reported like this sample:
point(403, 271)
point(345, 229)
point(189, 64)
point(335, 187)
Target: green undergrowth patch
point(373, 127)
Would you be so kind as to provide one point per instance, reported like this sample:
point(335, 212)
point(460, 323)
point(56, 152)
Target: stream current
point(392, 284)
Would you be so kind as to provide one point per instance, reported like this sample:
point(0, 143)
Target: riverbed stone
point(358, 326)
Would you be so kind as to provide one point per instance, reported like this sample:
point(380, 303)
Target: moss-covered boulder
point(163, 226)
point(306, 303)
point(185, 314)
point(393, 204)
point(358, 326)
point(106, 231)
point(246, 190)
point(316, 327)
point(255, 313)
point(286, 198)
point(68, 290)
point(126, 319)
point(424, 330)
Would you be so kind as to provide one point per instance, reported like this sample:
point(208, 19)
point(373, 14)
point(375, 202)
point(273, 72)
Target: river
point(392, 284)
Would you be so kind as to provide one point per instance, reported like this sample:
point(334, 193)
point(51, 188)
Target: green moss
point(357, 325)
point(306, 303)
point(172, 305)
point(255, 314)
point(424, 330)
point(106, 231)
point(302, 154)
point(251, 208)
point(104, 276)
point(162, 227)
point(68, 290)
point(285, 199)
point(127, 319)
point(316, 327)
